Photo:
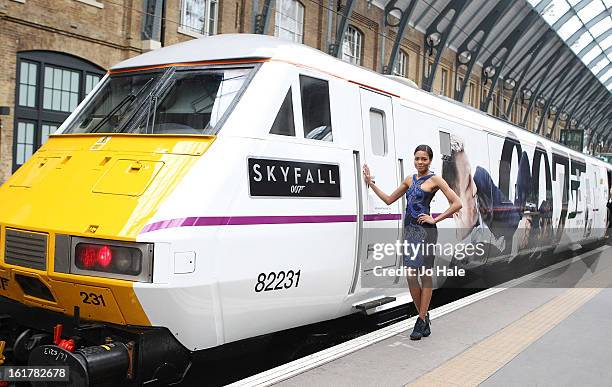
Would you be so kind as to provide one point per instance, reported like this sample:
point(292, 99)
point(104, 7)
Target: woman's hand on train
point(424, 218)
point(367, 175)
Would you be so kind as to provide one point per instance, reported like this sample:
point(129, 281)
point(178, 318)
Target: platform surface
point(553, 330)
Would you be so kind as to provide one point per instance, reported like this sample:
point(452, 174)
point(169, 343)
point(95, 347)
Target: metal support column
point(435, 39)
point(262, 20)
point(550, 99)
point(569, 88)
point(465, 56)
point(508, 44)
point(401, 28)
point(347, 11)
point(536, 93)
point(532, 53)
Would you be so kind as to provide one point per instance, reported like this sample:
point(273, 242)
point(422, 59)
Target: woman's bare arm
point(388, 199)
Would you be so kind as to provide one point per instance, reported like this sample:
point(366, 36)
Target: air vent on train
point(26, 249)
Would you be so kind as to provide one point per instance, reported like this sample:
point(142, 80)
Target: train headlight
point(111, 259)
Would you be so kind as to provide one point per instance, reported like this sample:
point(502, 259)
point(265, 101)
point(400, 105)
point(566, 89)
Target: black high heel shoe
point(426, 328)
point(417, 332)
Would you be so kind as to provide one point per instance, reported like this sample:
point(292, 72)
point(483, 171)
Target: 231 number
point(93, 299)
point(277, 281)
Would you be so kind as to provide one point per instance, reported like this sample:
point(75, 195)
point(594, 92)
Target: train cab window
point(315, 108)
point(378, 132)
point(283, 123)
point(168, 102)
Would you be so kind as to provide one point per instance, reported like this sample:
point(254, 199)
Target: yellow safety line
point(479, 362)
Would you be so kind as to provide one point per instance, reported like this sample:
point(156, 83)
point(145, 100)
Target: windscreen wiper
point(128, 98)
point(151, 100)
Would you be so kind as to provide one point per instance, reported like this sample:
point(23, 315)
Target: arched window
point(401, 64)
point(49, 87)
point(289, 20)
point(352, 46)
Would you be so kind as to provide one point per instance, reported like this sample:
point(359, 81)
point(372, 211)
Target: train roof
point(242, 46)
point(225, 47)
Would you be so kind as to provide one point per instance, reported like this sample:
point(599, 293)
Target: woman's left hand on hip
point(424, 218)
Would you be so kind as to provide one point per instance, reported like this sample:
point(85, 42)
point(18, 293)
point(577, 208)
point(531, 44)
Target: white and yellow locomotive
point(211, 191)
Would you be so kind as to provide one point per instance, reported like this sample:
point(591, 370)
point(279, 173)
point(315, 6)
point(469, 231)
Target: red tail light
point(105, 256)
point(86, 256)
point(108, 258)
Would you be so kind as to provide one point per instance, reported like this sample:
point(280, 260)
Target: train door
point(590, 198)
point(381, 222)
point(608, 198)
point(600, 199)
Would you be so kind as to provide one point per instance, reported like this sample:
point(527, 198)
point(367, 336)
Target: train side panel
point(274, 261)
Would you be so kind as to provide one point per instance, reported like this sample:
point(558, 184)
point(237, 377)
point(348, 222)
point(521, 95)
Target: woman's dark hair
point(425, 148)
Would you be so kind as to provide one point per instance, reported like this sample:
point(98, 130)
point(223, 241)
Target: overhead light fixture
point(465, 57)
point(553, 109)
point(541, 101)
point(434, 39)
point(573, 122)
point(581, 127)
point(509, 84)
point(563, 116)
point(527, 93)
point(489, 71)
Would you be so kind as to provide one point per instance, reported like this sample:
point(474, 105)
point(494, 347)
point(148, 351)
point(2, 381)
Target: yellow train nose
point(93, 186)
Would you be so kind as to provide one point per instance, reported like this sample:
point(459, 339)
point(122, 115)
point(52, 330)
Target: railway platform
point(549, 328)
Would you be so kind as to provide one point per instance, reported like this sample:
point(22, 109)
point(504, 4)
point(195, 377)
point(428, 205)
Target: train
point(211, 191)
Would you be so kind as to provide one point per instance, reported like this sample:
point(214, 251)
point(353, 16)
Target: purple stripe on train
point(252, 220)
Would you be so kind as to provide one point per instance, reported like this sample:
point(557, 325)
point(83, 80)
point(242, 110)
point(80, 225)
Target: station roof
point(586, 27)
point(559, 42)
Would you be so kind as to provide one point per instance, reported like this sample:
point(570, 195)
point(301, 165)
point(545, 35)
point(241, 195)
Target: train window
point(315, 108)
point(169, 102)
point(283, 123)
point(445, 145)
point(378, 132)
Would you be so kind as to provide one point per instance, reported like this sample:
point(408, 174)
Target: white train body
point(216, 241)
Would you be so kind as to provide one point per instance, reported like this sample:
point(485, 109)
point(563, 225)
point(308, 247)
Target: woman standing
point(419, 228)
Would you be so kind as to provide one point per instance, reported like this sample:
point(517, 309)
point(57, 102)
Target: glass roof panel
point(569, 27)
point(579, 15)
point(600, 65)
point(555, 10)
point(592, 9)
point(606, 43)
point(607, 75)
point(602, 26)
point(589, 56)
point(582, 42)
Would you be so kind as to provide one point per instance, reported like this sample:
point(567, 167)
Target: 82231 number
point(277, 281)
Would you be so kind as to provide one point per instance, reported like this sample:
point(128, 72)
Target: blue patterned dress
point(417, 203)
